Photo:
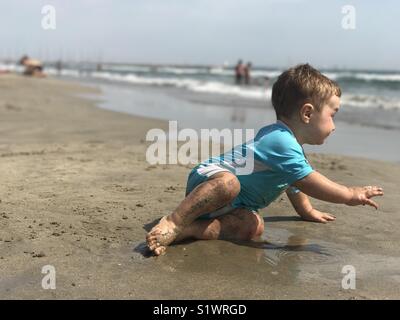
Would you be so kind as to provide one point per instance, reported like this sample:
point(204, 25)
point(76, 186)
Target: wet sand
point(77, 194)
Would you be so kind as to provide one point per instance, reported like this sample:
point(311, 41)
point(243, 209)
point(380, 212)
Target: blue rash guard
point(278, 161)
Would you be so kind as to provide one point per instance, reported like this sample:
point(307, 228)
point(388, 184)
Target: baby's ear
point(306, 112)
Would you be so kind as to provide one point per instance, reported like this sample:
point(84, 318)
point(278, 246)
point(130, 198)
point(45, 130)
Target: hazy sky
point(267, 32)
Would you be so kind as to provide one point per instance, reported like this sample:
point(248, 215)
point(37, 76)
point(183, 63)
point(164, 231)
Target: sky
point(271, 33)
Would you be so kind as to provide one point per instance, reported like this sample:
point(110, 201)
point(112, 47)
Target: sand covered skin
point(77, 194)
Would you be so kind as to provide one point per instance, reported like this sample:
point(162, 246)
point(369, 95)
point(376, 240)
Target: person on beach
point(222, 202)
point(239, 72)
point(59, 66)
point(246, 73)
point(33, 67)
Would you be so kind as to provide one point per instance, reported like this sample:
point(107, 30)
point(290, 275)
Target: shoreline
point(78, 194)
point(199, 111)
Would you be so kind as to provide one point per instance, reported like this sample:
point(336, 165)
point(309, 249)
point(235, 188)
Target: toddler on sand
point(222, 203)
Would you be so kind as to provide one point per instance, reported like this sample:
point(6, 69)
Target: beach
point(78, 194)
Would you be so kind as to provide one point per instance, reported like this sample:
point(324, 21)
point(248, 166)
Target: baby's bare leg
point(207, 197)
point(240, 224)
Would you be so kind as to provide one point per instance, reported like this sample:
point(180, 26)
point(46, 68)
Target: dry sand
point(77, 194)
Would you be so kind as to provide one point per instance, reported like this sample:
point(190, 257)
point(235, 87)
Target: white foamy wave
point(47, 70)
point(331, 75)
point(254, 73)
point(222, 71)
point(126, 68)
point(222, 88)
point(132, 78)
point(181, 70)
point(264, 73)
point(364, 76)
point(377, 77)
point(190, 84)
point(368, 101)
point(65, 72)
point(339, 75)
point(11, 67)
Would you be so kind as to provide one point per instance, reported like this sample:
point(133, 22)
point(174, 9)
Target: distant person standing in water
point(246, 72)
point(239, 72)
point(58, 66)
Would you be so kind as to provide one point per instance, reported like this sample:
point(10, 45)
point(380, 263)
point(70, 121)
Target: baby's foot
point(163, 234)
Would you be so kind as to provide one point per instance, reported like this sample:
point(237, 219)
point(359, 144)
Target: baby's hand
point(318, 216)
point(362, 195)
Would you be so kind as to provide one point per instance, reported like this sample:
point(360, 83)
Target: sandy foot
point(161, 235)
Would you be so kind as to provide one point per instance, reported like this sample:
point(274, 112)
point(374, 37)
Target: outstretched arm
point(301, 203)
point(318, 186)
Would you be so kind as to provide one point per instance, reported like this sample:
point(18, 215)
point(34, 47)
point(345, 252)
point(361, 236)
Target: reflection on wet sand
point(277, 251)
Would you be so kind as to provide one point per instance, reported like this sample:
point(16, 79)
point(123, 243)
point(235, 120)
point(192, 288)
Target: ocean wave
point(265, 74)
point(216, 86)
point(255, 73)
point(222, 71)
point(172, 70)
point(222, 88)
point(126, 68)
point(364, 76)
point(377, 77)
point(190, 84)
point(195, 71)
point(11, 67)
point(66, 72)
point(132, 78)
point(369, 101)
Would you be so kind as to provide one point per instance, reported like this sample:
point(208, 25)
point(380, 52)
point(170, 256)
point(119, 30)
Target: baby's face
point(322, 124)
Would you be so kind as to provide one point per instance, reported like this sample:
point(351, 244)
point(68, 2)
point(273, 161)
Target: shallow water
point(348, 139)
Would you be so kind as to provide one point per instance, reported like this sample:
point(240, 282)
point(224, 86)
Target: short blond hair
point(299, 85)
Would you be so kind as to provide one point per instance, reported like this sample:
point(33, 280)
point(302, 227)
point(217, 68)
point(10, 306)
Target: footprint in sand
point(171, 189)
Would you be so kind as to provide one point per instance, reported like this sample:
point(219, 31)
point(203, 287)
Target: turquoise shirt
point(278, 161)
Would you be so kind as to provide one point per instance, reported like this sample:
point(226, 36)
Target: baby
point(222, 202)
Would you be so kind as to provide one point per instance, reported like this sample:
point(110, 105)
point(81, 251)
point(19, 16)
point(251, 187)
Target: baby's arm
point(318, 186)
point(301, 203)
